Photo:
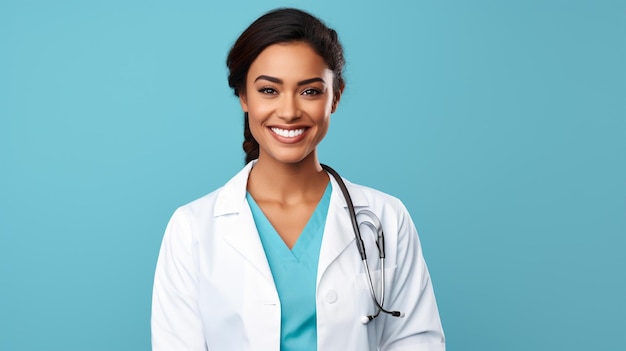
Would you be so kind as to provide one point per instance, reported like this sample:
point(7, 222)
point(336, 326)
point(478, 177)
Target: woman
point(269, 261)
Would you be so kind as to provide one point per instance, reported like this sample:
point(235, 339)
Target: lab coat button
point(331, 296)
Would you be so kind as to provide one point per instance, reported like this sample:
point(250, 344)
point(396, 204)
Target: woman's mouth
point(288, 133)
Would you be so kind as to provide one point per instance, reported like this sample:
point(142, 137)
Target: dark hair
point(281, 26)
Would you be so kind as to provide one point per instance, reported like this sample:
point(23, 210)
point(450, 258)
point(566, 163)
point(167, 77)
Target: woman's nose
point(288, 109)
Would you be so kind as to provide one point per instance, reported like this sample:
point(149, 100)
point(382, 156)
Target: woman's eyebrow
point(269, 78)
point(280, 81)
point(311, 80)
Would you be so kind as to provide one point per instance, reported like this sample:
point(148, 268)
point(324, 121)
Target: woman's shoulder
point(225, 199)
point(203, 203)
point(369, 196)
point(369, 192)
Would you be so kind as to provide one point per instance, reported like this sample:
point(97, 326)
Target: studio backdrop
point(500, 124)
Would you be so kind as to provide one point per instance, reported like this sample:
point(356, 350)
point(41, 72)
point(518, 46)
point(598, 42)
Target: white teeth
point(288, 133)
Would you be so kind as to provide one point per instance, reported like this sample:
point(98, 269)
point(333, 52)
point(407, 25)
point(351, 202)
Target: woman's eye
point(311, 92)
point(266, 90)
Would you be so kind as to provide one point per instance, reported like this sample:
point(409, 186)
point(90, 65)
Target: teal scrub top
point(295, 274)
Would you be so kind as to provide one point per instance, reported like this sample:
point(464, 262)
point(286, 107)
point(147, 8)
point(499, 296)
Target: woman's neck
point(287, 183)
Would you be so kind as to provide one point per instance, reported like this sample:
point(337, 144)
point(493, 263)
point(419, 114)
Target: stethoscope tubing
point(376, 227)
point(355, 225)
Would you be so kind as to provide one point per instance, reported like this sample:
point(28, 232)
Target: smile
point(288, 133)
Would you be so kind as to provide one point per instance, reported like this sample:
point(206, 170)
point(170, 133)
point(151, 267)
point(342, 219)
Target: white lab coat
point(213, 288)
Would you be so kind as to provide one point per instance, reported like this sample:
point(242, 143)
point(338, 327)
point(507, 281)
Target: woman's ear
point(243, 101)
point(336, 99)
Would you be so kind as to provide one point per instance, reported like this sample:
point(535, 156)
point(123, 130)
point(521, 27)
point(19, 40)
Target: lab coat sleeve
point(412, 294)
point(176, 321)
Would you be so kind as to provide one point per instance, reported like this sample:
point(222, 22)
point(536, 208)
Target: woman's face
point(289, 98)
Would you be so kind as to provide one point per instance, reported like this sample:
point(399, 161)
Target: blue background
point(500, 124)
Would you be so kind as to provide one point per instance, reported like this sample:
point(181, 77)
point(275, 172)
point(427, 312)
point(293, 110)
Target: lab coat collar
point(338, 233)
point(232, 196)
point(356, 194)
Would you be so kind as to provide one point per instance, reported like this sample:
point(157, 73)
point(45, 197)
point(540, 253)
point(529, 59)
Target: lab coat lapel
point(338, 233)
point(236, 224)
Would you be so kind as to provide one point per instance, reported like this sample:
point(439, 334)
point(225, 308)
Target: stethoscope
point(374, 224)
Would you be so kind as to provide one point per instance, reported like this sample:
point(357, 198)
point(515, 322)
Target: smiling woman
point(289, 97)
point(270, 261)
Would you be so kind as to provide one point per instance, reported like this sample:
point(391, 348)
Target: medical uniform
point(295, 274)
point(214, 290)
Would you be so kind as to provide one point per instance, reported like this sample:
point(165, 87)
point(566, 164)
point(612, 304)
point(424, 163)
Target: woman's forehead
point(288, 61)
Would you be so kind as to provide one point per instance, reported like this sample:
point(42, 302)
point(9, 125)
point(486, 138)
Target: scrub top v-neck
point(295, 274)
